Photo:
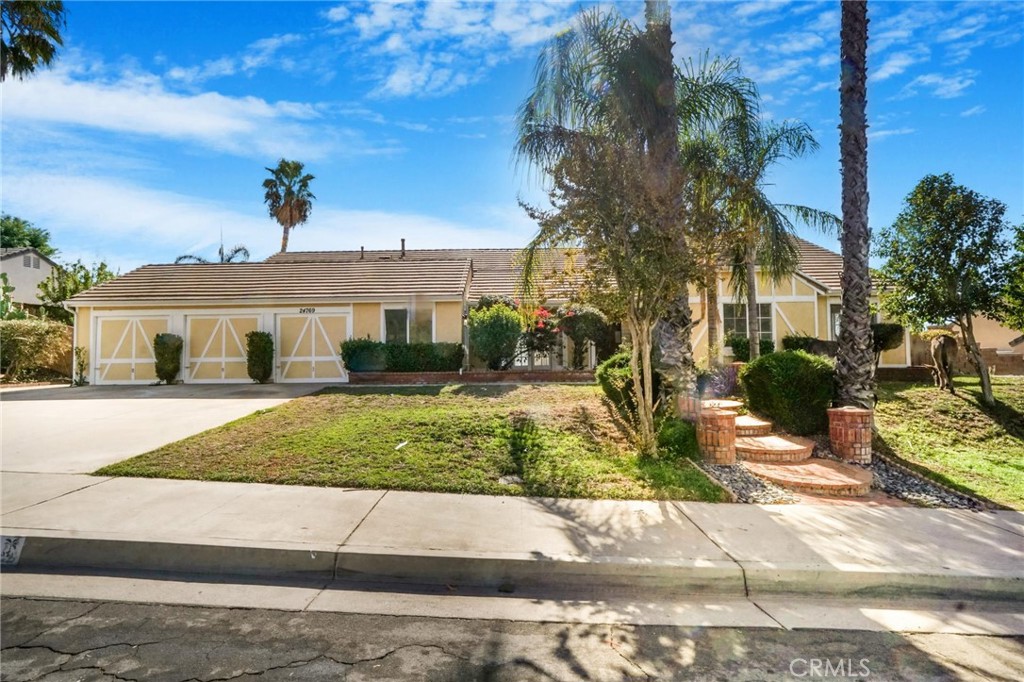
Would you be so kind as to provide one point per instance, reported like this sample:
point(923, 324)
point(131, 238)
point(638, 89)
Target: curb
point(505, 572)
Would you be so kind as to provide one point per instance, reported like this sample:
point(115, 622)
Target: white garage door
point(309, 347)
point(124, 349)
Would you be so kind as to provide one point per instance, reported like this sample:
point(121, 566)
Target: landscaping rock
point(906, 485)
point(748, 488)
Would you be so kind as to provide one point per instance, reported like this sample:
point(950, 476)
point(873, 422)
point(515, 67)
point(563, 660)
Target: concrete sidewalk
point(274, 532)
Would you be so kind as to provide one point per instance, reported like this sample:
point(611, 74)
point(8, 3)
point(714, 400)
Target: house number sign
point(306, 310)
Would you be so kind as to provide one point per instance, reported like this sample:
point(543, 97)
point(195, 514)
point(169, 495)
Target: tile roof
point(309, 281)
point(820, 264)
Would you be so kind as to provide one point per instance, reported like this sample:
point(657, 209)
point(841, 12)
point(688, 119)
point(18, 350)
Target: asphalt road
point(68, 640)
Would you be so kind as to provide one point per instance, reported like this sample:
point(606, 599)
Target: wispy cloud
point(943, 87)
point(882, 134)
point(257, 55)
point(898, 62)
point(973, 111)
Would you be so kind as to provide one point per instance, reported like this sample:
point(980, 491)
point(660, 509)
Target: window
point(35, 262)
point(734, 319)
point(26, 261)
point(396, 325)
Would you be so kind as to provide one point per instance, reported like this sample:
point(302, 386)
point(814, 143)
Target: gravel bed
point(748, 488)
point(908, 486)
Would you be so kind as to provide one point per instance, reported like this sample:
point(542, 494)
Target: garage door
point(309, 347)
point(215, 349)
point(125, 349)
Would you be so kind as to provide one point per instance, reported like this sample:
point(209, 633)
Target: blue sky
point(151, 133)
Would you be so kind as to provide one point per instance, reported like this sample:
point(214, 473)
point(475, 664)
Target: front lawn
point(560, 440)
point(954, 439)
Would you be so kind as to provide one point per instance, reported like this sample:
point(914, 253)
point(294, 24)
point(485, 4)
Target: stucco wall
point(25, 280)
point(448, 321)
point(366, 321)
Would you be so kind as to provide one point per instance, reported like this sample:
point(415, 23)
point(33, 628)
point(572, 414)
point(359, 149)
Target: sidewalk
point(273, 532)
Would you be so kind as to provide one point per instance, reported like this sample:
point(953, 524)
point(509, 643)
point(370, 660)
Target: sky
point(150, 135)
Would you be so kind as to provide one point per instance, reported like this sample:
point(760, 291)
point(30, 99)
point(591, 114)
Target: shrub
point(167, 349)
point(741, 347)
point(259, 356)
point(494, 334)
point(792, 388)
point(802, 342)
point(616, 381)
point(81, 366)
point(885, 336)
point(364, 355)
point(677, 438)
point(581, 323)
point(32, 345)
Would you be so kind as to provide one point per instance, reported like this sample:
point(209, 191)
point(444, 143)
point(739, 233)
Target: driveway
point(76, 431)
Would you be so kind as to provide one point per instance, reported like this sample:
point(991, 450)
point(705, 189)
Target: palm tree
point(31, 35)
point(237, 251)
point(287, 196)
point(765, 228)
point(855, 358)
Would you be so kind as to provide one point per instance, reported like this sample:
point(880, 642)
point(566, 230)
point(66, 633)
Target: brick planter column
point(688, 407)
point(716, 436)
point(849, 430)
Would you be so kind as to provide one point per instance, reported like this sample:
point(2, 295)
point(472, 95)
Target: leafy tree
point(1011, 311)
point(581, 323)
point(238, 251)
point(946, 262)
point(602, 122)
point(855, 359)
point(66, 281)
point(15, 232)
point(494, 334)
point(31, 35)
point(288, 197)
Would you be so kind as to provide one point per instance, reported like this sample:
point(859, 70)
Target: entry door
point(309, 347)
point(216, 348)
point(125, 349)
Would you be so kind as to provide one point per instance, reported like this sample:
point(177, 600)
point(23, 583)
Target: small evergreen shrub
point(494, 334)
point(364, 355)
point(616, 381)
point(677, 439)
point(259, 356)
point(792, 388)
point(885, 336)
point(81, 367)
point(31, 345)
point(167, 349)
point(741, 347)
point(802, 342)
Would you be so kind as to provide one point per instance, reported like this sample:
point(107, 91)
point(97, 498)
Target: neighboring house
point(26, 268)
point(311, 301)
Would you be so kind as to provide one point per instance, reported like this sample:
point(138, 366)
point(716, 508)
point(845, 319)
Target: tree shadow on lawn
point(1006, 416)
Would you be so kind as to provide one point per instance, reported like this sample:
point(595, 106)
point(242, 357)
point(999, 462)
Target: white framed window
point(394, 324)
point(734, 319)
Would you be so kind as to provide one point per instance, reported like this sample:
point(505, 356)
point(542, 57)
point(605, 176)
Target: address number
point(307, 310)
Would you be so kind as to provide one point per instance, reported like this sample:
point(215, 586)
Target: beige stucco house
point(26, 268)
point(311, 301)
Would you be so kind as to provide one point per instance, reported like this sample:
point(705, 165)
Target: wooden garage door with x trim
point(216, 347)
point(125, 349)
point(309, 347)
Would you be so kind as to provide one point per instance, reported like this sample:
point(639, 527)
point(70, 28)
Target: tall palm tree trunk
point(854, 361)
point(753, 321)
point(711, 296)
point(284, 239)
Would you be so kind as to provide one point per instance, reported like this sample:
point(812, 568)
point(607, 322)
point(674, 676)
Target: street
point(56, 640)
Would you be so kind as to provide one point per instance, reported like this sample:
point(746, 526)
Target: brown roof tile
point(820, 264)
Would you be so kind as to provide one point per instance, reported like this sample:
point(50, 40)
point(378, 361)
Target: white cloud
point(967, 26)
point(973, 111)
point(898, 62)
point(337, 14)
point(882, 134)
point(139, 104)
point(944, 87)
point(798, 42)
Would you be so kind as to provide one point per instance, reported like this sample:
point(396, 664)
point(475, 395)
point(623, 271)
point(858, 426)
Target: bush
point(802, 342)
point(616, 381)
point(741, 347)
point(167, 349)
point(885, 336)
point(494, 334)
point(581, 323)
point(259, 356)
point(364, 355)
point(792, 388)
point(677, 438)
point(28, 346)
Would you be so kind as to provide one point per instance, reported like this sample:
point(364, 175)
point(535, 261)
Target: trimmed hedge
point(31, 345)
point(810, 344)
point(167, 349)
point(886, 336)
point(259, 356)
point(741, 347)
point(616, 381)
point(494, 334)
point(792, 388)
point(364, 355)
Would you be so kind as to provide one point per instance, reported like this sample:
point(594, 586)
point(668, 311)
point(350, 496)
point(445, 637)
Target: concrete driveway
point(76, 431)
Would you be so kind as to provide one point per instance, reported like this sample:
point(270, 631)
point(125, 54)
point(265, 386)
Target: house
point(26, 268)
point(311, 301)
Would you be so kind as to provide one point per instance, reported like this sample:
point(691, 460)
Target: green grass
point(561, 440)
point(955, 439)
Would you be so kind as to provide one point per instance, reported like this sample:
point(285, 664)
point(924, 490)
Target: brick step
point(816, 476)
point(773, 448)
point(717, 404)
point(749, 425)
